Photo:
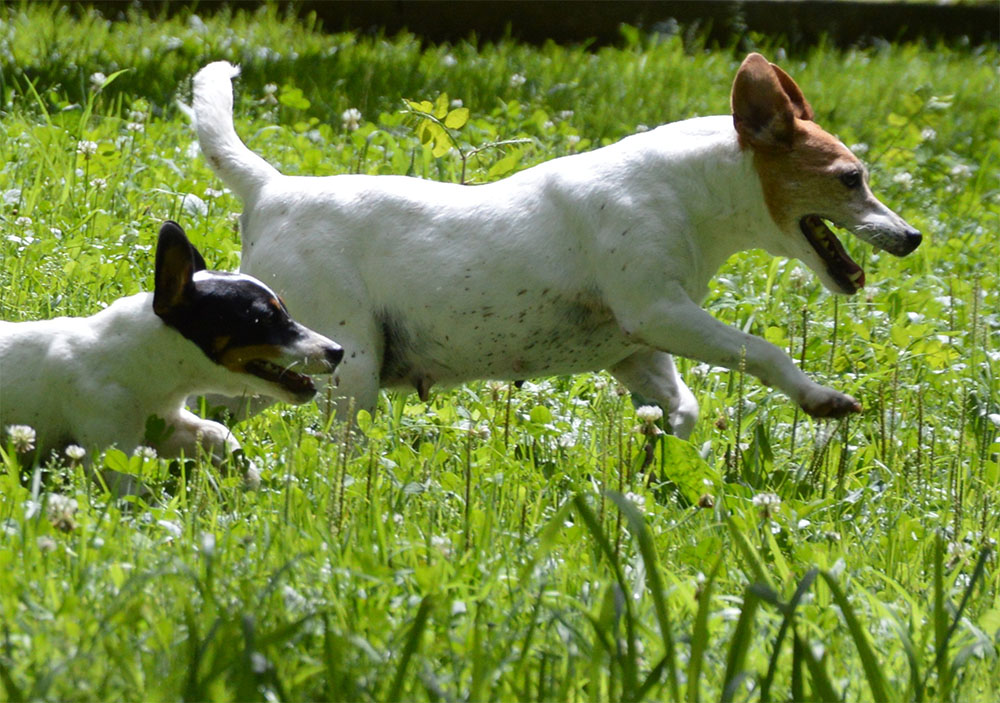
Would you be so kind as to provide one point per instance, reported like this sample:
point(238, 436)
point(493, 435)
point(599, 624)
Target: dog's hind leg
point(652, 378)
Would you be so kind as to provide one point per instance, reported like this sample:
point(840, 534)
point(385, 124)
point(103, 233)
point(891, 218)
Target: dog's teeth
point(856, 276)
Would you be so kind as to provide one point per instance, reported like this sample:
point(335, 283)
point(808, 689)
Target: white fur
point(586, 262)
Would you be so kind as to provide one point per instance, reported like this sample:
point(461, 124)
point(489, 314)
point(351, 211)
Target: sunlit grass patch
point(501, 543)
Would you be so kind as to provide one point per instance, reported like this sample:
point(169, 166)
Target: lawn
point(502, 543)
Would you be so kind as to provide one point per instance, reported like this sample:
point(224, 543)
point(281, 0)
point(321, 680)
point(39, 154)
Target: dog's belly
point(561, 336)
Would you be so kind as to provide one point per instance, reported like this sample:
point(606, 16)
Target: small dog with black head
point(94, 381)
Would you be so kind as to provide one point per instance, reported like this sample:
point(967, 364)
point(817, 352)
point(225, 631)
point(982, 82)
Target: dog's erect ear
point(800, 106)
point(766, 102)
point(176, 262)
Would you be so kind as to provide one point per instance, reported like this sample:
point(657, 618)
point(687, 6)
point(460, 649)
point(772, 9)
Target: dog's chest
point(529, 333)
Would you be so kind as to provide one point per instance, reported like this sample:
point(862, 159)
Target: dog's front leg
point(680, 326)
point(191, 435)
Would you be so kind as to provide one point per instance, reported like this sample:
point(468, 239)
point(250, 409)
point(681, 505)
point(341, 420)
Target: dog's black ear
point(766, 102)
point(176, 263)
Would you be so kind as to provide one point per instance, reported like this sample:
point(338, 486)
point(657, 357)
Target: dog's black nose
point(913, 239)
point(334, 355)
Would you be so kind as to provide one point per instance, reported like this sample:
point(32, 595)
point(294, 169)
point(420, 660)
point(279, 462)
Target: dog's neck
point(719, 193)
point(137, 349)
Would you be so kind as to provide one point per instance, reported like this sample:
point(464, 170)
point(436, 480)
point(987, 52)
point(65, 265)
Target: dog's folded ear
point(765, 103)
point(176, 263)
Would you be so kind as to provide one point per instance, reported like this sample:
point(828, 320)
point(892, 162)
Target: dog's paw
point(826, 402)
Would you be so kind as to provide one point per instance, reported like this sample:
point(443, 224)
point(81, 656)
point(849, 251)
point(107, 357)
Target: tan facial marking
point(803, 179)
point(236, 358)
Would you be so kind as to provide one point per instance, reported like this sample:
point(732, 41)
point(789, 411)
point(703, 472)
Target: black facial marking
point(227, 311)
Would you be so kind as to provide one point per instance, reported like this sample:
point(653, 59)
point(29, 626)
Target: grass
point(496, 543)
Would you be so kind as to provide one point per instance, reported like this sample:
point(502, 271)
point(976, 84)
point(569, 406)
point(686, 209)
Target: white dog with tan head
point(585, 262)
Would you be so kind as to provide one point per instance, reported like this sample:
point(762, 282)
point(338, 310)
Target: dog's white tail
point(241, 169)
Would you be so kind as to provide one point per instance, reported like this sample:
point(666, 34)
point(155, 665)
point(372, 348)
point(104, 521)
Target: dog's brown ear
point(176, 262)
point(766, 102)
point(801, 107)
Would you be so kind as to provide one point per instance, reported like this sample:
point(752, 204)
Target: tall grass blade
point(786, 623)
point(822, 687)
point(546, 538)
point(412, 643)
point(753, 559)
point(940, 622)
point(798, 680)
point(941, 644)
point(699, 636)
point(739, 645)
point(630, 683)
point(876, 679)
point(647, 550)
point(14, 694)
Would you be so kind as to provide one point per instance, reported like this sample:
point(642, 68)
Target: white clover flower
point(457, 102)
point(859, 148)
point(97, 80)
point(23, 221)
point(637, 498)
point(904, 179)
point(135, 127)
point(45, 543)
point(269, 90)
point(147, 453)
point(517, 80)
point(961, 170)
point(294, 601)
point(99, 183)
point(137, 116)
point(213, 193)
point(75, 452)
point(573, 139)
point(86, 147)
point(351, 119)
point(928, 134)
point(22, 437)
point(173, 528)
point(259, 663)
point(767, 503)
point(448, 61)
point(641, 128)
point(649, 413)
point(208, 543)
point(60, 510)
point(59, 504)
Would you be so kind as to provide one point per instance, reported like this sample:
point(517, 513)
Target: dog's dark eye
point(851, 179)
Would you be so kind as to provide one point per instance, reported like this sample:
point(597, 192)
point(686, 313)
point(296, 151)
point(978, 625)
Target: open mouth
point(300, 385)
point(841, 267)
